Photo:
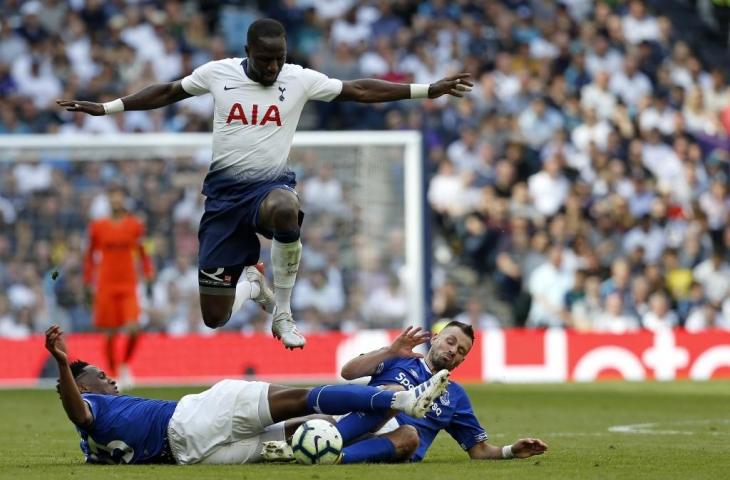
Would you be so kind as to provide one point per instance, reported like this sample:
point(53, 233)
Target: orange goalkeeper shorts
point(116, 309)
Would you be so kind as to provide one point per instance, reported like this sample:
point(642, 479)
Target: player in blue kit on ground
point(249, 189)
point(399, 367)
point(226, 424)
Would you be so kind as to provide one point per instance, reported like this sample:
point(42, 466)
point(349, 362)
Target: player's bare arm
point(153, 96)
point(402, 347)
point(523, 448)
point(76, 409)
point(368, 90)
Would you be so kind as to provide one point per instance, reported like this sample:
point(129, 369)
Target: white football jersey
point(254, 125)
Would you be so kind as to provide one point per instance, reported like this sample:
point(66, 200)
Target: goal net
point(362, 264)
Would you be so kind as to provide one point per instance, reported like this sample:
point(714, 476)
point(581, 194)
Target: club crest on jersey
point(444, 399)
point(281, 97)
point(237, 113)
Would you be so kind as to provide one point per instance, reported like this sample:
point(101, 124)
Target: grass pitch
point(605, 430)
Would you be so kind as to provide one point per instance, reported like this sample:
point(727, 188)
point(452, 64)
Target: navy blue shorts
point(227, 233)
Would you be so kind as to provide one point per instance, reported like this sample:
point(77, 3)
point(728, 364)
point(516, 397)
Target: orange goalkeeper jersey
point(110, 259)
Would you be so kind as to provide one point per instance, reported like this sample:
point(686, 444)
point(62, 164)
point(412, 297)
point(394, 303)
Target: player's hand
point(527, 447)
point(56, 344)
point(404, 344)
point(455, 85)
point(92, 108)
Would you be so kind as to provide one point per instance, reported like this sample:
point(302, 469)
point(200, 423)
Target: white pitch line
point(648, 428)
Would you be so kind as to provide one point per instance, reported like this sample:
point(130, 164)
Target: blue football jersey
point(125, 429)
point(452, 411)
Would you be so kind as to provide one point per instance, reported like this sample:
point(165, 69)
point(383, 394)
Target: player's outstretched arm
point(522, 448)
point(369, 90)
point(76, 409)
point(153, 96)
point(402, 347)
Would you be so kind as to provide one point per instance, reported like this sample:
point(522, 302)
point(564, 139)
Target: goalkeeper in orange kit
point(110, 274)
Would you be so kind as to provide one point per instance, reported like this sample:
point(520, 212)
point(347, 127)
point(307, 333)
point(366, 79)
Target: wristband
point(507, 452)
point(115, 106)
point(419, 90)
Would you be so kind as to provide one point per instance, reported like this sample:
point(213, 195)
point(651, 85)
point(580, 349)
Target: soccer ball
point(316, 442)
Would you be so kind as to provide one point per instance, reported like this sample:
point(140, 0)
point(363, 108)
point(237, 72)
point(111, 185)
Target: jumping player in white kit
point(249, 189)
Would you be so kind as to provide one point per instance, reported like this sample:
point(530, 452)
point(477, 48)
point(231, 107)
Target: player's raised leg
point(279, 214)
point(287, 402)
point(220, 299)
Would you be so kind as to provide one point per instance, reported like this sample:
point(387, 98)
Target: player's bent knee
point(283, 208)
point(215, 316)
point(212, 320)
point(405, 439)
point(216, 309)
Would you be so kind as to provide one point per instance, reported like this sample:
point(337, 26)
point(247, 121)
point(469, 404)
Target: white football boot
point(417, 401)
point(277, 451)
point(255, 275)
point(284, 329)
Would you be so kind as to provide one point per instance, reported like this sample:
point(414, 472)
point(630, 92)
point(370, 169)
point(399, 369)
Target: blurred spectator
point(387, 305)
point(320, 290)
point(706, 317)
point(585, 309)
point(549, 188)
point(714, 276)
point(476, 316)
point(660, 314)
point(324, 192)
point(612, 318)
point(548, 285)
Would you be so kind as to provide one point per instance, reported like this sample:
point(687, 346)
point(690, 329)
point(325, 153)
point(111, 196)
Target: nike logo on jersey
point(228, 88)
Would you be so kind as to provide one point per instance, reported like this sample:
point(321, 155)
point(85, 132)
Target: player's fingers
point(459, 76)
point(416, 355)
point(455, 93)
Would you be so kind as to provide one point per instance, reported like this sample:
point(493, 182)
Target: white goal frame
point(92, 147)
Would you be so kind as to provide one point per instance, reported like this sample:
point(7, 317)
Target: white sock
point(285, 261)
point(244, 291)
point(401, 400)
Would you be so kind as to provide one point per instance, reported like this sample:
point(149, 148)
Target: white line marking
point(650, 428)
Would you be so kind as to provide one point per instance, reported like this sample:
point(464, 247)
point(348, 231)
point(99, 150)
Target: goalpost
point(380, 173)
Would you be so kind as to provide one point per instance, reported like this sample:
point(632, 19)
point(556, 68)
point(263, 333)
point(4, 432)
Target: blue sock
point(376, 449)
point(341, 399)
point(355, 424)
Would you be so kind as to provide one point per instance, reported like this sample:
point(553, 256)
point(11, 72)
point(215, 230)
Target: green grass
point(690, 438)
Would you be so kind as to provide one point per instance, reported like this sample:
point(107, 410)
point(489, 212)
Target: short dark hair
point(264, 28)
point(77, 368)
point(466, 328)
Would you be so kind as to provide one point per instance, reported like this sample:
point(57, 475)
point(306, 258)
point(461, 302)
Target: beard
point(440, 363)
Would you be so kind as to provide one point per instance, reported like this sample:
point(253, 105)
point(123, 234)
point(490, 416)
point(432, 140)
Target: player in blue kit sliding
point(226, 424)
point(399, 367)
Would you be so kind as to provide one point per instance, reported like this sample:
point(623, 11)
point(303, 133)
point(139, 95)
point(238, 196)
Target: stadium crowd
point(583, 183)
